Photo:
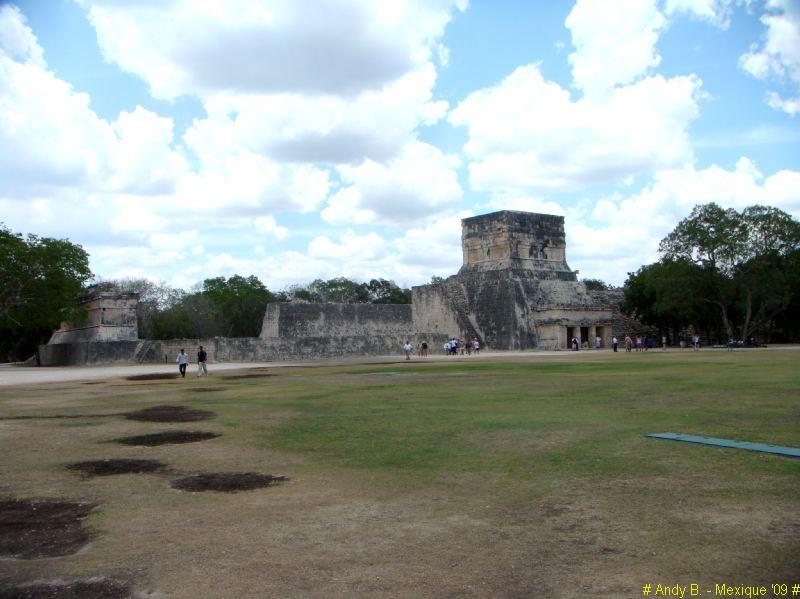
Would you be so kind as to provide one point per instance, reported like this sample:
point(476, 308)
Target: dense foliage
point(40, 281)
point(596, 284)
point(726, 274)
point(235, 307)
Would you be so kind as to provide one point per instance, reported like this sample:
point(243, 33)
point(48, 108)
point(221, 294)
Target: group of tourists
point(183, 362)
point(641, 343)
point(576, 344)
point(454, 347)
point(459, 347)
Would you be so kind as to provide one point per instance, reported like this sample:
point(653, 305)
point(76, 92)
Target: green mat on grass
point(793, 452)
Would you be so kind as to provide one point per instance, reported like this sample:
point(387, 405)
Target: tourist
point(476, 346)
point(696, 342)
point(597, 342)
point(423, 349)
point(663, 342)
point(628, 343)
point(650, 342)
point(202, 357)
point(575, 344)
point(183, 361)
point(614, 343)
point(408, 348)
point(461, 347)
point(638, 343)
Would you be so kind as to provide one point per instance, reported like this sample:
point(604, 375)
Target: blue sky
point(261, 137)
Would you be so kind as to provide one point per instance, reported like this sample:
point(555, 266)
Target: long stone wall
point(299, 320)
point(89, 352)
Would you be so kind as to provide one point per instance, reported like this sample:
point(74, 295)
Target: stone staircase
point(457, 296)
point(145, 351)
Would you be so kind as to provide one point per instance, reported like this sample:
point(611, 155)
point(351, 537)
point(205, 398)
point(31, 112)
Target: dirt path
point(29, 375)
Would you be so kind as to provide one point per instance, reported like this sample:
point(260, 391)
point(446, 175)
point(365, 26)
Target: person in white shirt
point(408, 349)
point(183, 361)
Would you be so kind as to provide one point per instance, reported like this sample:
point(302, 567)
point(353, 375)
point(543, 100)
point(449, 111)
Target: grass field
point(520, 477)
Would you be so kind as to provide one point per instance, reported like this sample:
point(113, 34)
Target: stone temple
point(515, 291)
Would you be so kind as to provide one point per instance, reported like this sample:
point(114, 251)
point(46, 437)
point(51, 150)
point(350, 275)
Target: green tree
point(743, 255)
point(666, 295)
point(41, 279)
point(596, 285)
point(238, 304)
point(192, 317)
point(340, 290)
point(382, 291)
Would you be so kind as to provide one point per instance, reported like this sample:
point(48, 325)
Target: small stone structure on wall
point(109, 316)
point(514, 291)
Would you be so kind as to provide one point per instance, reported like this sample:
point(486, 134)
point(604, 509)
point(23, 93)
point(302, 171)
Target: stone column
point(592, 335)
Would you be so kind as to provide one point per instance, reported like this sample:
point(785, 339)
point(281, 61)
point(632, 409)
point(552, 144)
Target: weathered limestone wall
point(300, 320)
point(432, 311)
point(88, 352)
point(255, 349)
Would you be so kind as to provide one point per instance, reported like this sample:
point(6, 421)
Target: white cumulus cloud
point(779, 55)
point(267, 225)
point(614, 42)
point(295, 127)
point(336, 47)
point(527, 135)
point(420, 181)
point(716, 12)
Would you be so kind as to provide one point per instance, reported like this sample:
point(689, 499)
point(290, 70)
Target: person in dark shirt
point(202, 357)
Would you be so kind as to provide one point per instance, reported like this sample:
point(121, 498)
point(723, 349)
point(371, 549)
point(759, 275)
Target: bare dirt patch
point(154, 376)
point(119, 466)
point(95, 588)
point(47, 528)
point(63, 416)
point(226, 482)
point(168, 413)
point(167, 438)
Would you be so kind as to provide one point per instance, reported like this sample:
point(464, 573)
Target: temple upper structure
point(516, 240)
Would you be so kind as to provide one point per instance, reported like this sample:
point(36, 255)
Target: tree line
point(42, 280)
point(724, 274)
